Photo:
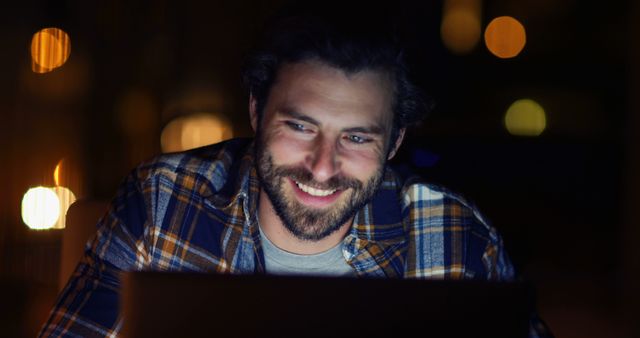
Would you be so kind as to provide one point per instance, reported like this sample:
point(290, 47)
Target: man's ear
point(253, 112)
point(397, 144)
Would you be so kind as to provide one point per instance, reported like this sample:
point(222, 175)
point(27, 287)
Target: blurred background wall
point(148, 76)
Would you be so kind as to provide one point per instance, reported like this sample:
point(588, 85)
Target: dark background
point(565, 201)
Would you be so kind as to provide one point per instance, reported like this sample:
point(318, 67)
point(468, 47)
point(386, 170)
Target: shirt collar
point(381, 219)
point(376, 244)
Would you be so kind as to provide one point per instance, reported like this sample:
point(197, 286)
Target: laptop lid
point(160, 304)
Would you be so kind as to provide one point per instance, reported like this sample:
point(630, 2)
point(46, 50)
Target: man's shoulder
point(211, 165)
point(449, 237)
point(417, 190)
point(432, 205)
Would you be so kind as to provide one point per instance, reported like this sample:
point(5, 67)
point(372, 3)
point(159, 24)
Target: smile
point(314, 191)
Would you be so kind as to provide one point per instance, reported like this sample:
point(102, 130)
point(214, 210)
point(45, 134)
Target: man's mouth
point(315, 197)
point(315, 191)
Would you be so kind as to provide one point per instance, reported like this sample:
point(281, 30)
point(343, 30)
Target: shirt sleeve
point(88, 306)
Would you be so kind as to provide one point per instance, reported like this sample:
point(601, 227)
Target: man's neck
point(280, 236)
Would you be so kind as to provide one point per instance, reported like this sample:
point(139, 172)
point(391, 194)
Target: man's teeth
point(313, 191)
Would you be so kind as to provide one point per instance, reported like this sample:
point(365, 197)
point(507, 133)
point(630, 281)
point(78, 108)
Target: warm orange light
point(56, 173)
point(461, 27)
point(65, 196)
point(46, 207)
point(505, 37)
point(193, 131)
point(50, 49)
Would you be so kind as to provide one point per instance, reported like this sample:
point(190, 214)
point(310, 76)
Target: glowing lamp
point(460, 29)
point(193, 131)
point(65, 196)
point(50, 49)
point(46, 207)
point(505, 37)
point(525, 118)
point(40, 208)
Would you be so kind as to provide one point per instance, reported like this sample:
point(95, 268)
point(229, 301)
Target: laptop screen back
point(156, 304)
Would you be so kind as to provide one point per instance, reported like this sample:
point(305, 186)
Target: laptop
point(161, 304)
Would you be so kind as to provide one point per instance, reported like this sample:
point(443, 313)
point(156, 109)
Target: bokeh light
point(50, 49)
point(525, 117)
point(40, 208)
point(461, 25)
point(505, 37)
point(193, 131)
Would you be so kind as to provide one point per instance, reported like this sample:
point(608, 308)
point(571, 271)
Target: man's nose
point(323, 159)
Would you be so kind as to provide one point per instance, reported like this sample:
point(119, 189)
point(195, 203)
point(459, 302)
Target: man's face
point(322, 144)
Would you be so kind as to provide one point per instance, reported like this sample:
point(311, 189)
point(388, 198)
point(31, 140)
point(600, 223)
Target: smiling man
point(311, 195)
point(322, 145)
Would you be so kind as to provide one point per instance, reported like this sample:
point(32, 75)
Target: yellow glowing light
point(40, 208)
point(56, 173)
point(50, 49)
point(65, 196)
point(194, 131)
point(525, 117)
point(505, 37)
point(461, 27)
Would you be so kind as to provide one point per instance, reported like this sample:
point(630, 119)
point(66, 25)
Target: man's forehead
point(348, 70)
point(315, 76)
point(312, 84)
point(385, 76)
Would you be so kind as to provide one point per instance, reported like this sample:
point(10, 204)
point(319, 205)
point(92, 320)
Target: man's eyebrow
point(374, 130)
point(299, 116)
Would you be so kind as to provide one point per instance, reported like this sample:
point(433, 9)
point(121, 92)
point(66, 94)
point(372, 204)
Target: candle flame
point(56, 173)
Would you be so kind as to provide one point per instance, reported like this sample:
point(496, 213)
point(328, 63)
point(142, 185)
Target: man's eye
point(296, 126)
point(357, 139)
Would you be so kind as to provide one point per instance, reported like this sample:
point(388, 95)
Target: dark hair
point(340, 39)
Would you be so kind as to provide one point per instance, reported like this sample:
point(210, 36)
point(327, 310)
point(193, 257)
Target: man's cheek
point(362, 164)
point(287, 150)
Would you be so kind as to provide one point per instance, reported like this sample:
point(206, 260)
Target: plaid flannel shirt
point(196, 211)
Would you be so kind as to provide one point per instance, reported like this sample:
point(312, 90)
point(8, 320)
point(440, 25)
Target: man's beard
point(304, 222)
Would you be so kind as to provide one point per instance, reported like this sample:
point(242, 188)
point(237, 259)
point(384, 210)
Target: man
point(311, 195)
